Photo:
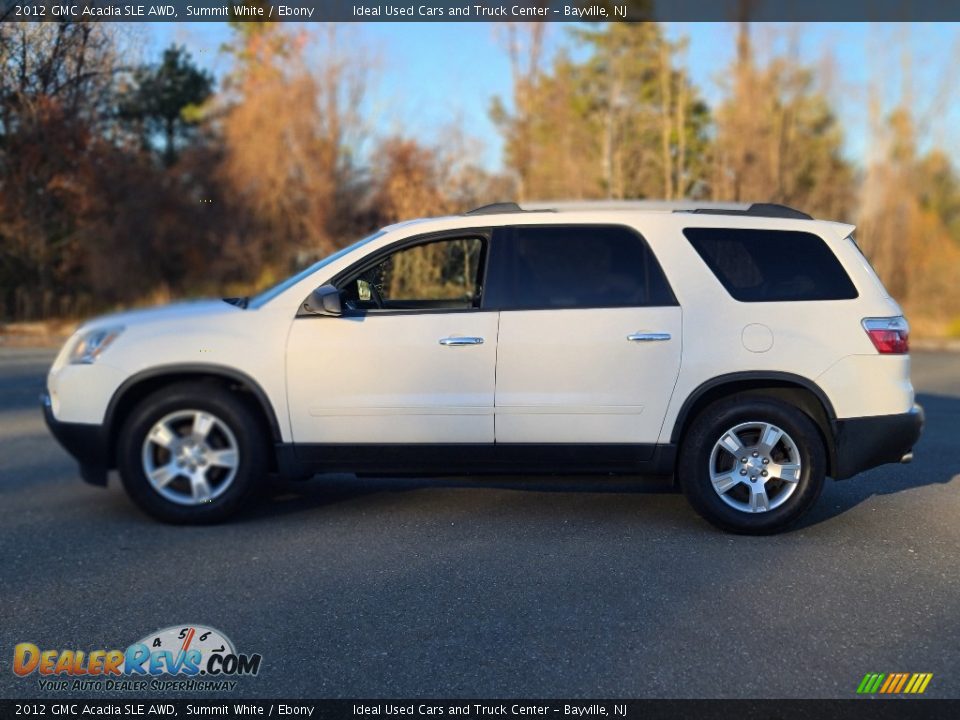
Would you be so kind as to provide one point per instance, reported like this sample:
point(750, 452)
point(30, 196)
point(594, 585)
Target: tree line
point(122, 185)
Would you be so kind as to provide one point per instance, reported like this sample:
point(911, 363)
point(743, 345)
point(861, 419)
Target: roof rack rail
point(770, 210)
point(495, 209)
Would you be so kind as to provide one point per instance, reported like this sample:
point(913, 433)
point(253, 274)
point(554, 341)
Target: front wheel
point(191, 453)
point(752, 466)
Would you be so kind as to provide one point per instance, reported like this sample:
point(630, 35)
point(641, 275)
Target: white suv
point(747, 349)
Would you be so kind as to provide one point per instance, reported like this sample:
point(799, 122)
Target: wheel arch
point(138, 386)
point(796, 390)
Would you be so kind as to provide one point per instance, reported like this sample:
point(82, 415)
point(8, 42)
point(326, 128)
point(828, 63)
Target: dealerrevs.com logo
point(181, 657)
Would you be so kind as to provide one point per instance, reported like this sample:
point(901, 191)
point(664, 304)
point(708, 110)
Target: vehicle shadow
point(936, 462)
point(281, 497)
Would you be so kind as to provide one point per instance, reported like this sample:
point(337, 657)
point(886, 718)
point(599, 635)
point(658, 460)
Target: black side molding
point(475, 459)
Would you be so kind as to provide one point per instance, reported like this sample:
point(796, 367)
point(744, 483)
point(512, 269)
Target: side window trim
point(501, 234)
point(373, 259)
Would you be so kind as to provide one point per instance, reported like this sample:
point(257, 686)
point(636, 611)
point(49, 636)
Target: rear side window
point(573, 266)
point(772, 265)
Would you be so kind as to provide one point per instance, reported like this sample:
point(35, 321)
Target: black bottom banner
point(873, 709)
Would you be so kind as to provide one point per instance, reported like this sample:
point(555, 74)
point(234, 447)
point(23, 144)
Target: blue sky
point(431, 75)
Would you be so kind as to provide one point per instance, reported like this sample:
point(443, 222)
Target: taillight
point(890, 335)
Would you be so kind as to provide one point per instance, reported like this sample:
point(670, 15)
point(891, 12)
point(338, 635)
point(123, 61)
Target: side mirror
point(325, 300)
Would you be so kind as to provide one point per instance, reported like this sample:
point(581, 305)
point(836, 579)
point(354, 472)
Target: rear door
point(590, 335)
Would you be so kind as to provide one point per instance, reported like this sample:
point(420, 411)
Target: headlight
point(91, 344)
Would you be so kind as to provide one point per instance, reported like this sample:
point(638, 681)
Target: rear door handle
point(456, 341)
point(648, 337)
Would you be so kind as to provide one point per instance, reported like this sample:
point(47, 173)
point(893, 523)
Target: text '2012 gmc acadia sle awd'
point(748, 350)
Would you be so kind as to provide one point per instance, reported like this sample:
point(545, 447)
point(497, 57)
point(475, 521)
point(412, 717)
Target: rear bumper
point(86, 443)
point(866, 442)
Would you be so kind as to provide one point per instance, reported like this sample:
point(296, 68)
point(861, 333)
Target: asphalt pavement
point(513, 587)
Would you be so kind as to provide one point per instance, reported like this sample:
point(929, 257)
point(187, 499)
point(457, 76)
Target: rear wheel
point(752, 466)
point(192, 453)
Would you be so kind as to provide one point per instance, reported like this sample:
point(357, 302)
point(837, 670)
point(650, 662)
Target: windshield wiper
point(240, 302)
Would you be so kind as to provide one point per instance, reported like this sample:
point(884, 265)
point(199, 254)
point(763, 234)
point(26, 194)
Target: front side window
point(436, 275)
point(573, 266)
point(772, 265)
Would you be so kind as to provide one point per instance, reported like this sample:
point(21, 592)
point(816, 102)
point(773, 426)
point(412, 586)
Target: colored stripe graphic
point(870, 683)
point(903, 680)
point(893, 680)
point(894, 683)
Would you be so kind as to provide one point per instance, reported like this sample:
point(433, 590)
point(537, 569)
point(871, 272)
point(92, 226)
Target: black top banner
point(482, 11)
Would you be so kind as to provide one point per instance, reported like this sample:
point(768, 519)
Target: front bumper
point(866, 442)
point(87, 443)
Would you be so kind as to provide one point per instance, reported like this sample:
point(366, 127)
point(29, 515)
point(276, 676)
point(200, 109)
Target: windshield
point(269, 294)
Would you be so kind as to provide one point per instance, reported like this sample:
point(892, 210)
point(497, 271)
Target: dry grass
point(48, 333)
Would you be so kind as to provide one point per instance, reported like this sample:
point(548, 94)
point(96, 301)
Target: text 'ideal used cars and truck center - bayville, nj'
point(486, 710)
point(490, 12)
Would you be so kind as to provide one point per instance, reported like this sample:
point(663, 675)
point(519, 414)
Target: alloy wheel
point(755, 467)
point(190, 457)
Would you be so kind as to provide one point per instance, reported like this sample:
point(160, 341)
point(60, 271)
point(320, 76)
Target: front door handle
point(648, 337)
point(456, 341)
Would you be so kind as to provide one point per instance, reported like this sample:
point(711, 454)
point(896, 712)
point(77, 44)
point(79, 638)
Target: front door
point(412, 360)
point(590, 332)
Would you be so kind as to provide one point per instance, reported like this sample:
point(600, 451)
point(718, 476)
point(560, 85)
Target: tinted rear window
point(582, 266)
point(772, 265)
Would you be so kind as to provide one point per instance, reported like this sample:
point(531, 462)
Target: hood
point(164, 313)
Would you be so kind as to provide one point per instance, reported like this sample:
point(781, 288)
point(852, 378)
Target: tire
point(728, 488)
point(182, 436)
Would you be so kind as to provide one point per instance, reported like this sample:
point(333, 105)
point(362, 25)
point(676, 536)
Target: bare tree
point(290, 122)
point(524, 45)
